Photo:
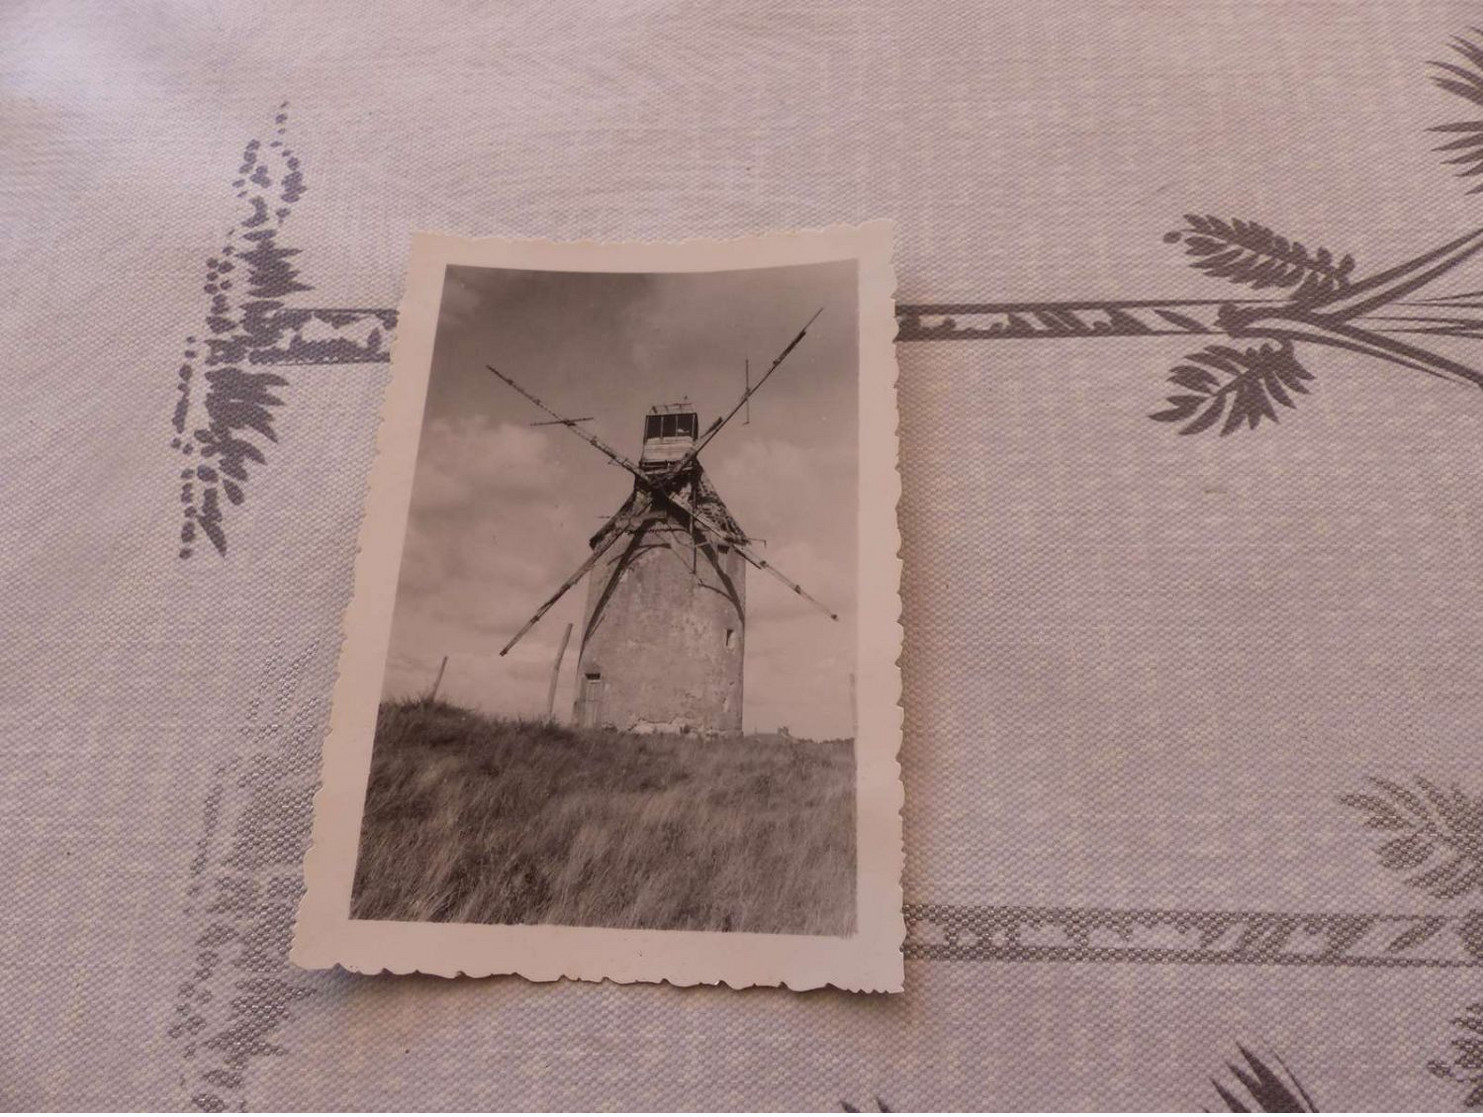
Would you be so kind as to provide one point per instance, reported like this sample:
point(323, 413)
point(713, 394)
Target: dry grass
point(471, 819)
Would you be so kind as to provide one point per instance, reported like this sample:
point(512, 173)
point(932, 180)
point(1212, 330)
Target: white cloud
point(490, 535)
point(470, 459)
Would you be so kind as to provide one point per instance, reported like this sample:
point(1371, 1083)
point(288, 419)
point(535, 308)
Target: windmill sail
point(597, 552)
point(664, 628)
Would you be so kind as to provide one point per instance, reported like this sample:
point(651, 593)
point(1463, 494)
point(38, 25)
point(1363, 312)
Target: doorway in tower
point(589, 701)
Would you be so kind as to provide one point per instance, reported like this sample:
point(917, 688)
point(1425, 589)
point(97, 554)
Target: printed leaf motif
point(1419, 933)
point(1466, 1065)
point(233, 405)
point(1258, 1088)
point(1439, 841)
point(1251, 254)
point(1471, 934)
point(1465, 148)
point(1240, 385)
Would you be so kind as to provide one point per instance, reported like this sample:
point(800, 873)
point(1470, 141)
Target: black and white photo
point(625, 648)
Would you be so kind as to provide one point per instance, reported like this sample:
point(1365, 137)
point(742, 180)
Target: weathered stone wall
point(657, 634)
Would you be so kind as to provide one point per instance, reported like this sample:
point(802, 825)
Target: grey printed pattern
point(245, 885)
point(220, 431)
point(957, 933)
point(1464, 1061)
point(1435, 834)
point(234, 1004)
point(251, 326)
point(1255, 1085)
point(1243, 379)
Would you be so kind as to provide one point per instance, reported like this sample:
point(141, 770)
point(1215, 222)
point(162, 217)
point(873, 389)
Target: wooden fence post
point(556, 674)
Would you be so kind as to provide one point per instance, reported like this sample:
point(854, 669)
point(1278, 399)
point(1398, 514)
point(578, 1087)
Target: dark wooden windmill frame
point(659, 489)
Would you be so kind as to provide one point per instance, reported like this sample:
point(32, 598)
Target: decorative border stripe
point(943, 932)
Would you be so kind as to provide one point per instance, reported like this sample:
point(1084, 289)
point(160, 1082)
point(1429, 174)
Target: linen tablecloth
point(1192, 722)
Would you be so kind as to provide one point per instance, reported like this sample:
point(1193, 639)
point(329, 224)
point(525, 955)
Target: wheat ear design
point(1466, 81)
point(1255, 378)
point(1256, 256)
point(1466, 1062)
point(1438, 834)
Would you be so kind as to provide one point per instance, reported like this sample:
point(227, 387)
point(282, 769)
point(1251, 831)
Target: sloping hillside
point(480, 820)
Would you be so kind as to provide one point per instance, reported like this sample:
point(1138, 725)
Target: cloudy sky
point(502, 510)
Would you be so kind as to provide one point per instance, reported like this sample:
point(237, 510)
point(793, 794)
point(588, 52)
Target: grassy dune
point(471, 819)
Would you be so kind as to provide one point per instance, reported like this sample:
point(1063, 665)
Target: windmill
point(664, 629)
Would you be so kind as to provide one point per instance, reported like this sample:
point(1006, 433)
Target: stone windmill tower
point(664, 630)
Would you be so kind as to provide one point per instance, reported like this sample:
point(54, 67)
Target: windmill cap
point(670, 431)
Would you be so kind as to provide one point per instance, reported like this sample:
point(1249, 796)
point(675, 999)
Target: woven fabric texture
point(1191, 721)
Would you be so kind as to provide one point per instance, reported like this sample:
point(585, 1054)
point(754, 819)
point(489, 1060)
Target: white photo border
point(867, 960)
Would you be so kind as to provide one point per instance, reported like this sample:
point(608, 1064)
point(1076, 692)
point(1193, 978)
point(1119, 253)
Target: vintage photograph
point(604, 704)
point(622, 670)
